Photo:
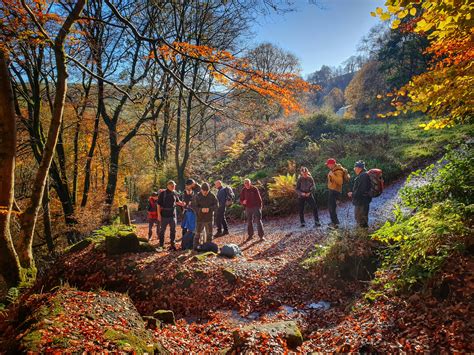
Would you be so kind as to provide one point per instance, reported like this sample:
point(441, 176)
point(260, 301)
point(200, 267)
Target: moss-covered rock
point(203, 256)
point(122, 243)
point(287, 330)
point(151, 322)
point(229, 275)
point(165, 316)
point(79, 245)
point(199, 273)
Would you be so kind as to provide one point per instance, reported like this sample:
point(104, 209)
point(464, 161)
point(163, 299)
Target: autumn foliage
point(444, 92)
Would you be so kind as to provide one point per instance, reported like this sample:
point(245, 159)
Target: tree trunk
point(29, 217)
point(9, 263)
point(47, 219)
point(90, 155)
point(113, 171)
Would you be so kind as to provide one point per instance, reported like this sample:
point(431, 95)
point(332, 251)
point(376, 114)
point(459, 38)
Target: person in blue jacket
point(189, 226)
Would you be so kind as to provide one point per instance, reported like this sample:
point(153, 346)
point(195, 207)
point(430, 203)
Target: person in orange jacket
point(336, 178)
point(152, 215)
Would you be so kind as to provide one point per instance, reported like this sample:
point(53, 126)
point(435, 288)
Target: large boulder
point(72, 321)
point(287, 330)
point(230, 250)
point(229, 275)
point(122, 243)
point(165, 316)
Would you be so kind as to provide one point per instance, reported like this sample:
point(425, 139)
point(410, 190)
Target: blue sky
point(326, 34)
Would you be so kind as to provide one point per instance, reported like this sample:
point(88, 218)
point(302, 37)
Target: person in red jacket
point(252, 201)
point(153, 215)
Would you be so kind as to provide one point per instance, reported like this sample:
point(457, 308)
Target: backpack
point(208, 246)
point(231, 250)
point(376, 182)
point(187, 240)
point(346, 176)
point(230, 196)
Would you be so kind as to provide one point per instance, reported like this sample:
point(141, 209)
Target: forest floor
point(225, 304)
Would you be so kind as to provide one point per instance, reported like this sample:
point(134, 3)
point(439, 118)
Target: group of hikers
point(201, 207)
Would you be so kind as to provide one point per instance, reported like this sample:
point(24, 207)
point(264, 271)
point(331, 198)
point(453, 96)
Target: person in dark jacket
point(225, 195)
point(252, 201)
point(205, 205)
point(361, 195)
point(305, 190)
point(152, 215)
point(168, 200)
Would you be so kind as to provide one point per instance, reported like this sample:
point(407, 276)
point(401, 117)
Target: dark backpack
point(187, 241)
point(376, 182)
point(208, 246)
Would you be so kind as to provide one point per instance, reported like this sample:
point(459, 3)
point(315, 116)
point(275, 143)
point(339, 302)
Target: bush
point(318, 125)
point(453, 180)
point(284, 186)
point(419, 245)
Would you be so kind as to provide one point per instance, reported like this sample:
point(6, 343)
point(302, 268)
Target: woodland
point(102, 102)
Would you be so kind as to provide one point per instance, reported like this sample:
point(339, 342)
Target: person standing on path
point(152, 214)
point(167, 201)
point(361, 195)
point(191, 189)
point(252, 201)
point(225, 195)
point(335, 181)
point(305, 190)
point(205, 205)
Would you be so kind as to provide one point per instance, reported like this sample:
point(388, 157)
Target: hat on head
point(205, 186)
point(171, 182)
point(359, 164)
point(189, 182)
point(330, 161)
point(154, 193)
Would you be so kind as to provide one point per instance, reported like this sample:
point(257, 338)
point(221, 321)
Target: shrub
point(453, 180)
point(419, 245)
point(319, 124)
point(284, 186)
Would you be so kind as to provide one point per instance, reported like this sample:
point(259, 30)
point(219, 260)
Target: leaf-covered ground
point(269, 284)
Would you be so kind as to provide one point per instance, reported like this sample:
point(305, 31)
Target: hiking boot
point(303, 225)
point(317, 224)
point(217, 235)
point(333, 226)
point(225, 233)
point(172, 247)
point(262, 238)
point(249, 238)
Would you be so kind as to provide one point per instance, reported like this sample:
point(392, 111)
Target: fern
point(282, 187)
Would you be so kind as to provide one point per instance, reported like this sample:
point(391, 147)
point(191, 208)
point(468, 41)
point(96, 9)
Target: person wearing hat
point(251, 199)
point(361, 195)
point(305, 190)
point(335, 182)
point(152, 214)
point(168, 200)
point(205, 205)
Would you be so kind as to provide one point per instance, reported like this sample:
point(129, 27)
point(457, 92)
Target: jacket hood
point(338, 167)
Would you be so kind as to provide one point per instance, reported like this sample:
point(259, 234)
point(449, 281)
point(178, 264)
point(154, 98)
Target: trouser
point(332, 204)
point(221, 221)
point(254, 214)
point(151, 222)
point(167, 221)
point(206, 227)
point(312, 203)
point(361, 213)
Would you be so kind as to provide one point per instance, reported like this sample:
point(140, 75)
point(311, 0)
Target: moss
point(61, 342)
point(145, 247)
point(181, 275)
point(203, 256)
point(229, 275)
point(128, 341)
point(79, 246)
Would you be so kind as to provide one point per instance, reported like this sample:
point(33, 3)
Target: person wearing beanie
point(205, 205)
point(361, 195)
point(251, 199)
point(305, 191)
point(335, 181)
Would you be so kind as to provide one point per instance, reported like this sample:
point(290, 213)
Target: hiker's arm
point(298, 187)
point(259, 198)
point(339, 177)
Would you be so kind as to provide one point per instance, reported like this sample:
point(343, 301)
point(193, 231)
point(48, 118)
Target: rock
point(145, 240)
point(165, 316)
point(145, 247)
point(287, 330)
point(229, 275)
point(121, 243)
point(187, 283)
point(203, 256)
point(151, 322)
point(199, 273)
point(230, 250)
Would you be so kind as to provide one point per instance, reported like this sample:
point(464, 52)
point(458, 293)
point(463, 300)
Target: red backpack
point(376, 181)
